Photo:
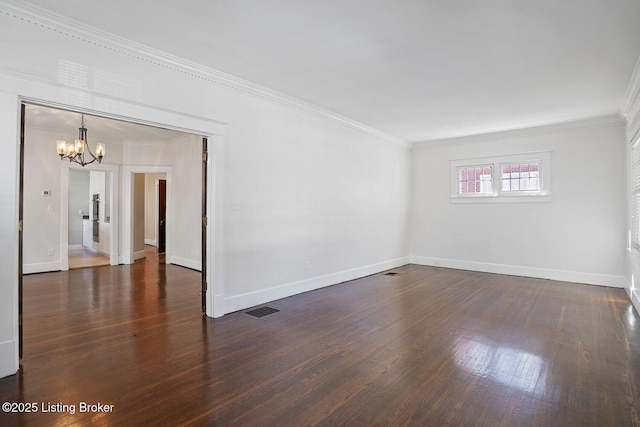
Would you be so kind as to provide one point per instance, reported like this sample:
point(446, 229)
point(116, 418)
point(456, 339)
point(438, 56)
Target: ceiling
point(415, 69)
point(99, 129)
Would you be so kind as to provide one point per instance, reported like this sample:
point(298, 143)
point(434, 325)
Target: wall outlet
point(51, 252)
point(307, 265)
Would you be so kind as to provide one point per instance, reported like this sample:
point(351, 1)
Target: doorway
point(162, 216)
point(89, 220)
point(149, 223)
point(64, 173)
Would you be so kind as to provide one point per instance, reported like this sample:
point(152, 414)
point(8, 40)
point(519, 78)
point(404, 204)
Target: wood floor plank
point(429, 346)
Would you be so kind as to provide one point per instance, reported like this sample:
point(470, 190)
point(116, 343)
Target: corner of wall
point(630, 106)
point(8, 362)
point(240, 302)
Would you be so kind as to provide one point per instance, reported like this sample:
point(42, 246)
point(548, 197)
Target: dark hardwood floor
point(426, 347)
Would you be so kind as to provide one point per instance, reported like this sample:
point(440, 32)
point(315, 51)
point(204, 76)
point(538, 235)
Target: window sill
point(502, 199)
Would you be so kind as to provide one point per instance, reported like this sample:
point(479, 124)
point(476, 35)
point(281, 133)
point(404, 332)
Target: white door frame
point(114, 229)
point(127, 256)
point(147, 115)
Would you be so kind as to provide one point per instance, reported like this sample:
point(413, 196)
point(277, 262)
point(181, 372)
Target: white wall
point(79, 200)
point(9, 161)
point(186, 202)
point(42, 171)
point(578, 236)
point(310, 199)
point(42, 213)
point(138, 215)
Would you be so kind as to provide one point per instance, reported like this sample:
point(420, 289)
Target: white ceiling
point(99, 129)
point(415, 69)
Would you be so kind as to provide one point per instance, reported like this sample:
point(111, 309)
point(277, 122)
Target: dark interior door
point(162, 216)
point(20, 239)
point(205, 161)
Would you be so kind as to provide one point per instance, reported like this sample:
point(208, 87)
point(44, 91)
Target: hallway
point(85, 258)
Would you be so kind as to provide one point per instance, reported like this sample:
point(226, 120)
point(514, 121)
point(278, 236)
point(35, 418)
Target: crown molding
point(605, 120)
point(42, 19)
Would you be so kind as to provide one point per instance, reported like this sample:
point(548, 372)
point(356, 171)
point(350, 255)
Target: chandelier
point(77, 151)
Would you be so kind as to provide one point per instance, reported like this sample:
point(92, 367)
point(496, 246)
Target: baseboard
point(77, 247)
point(41, 267)
point(150, 242)
point(218, 306)
point(189, 263)
point(516, 270)
point(240, 302)
point(139, 255)
point(8, 358)
point(634, 296)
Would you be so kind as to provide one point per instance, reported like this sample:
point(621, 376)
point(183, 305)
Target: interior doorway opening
point(123, 152)
point(89, 219)
point(149, 226)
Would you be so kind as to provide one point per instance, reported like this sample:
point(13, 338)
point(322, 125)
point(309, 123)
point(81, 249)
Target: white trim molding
point(240, 302)
point(113, 174)
point(128, 255)
point(188, 263)
point(524, 271)
point(8, 358)
point(42, 267)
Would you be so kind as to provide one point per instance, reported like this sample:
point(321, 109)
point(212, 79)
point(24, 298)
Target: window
point(513, 178)
point(520, 177)
point(475, 180)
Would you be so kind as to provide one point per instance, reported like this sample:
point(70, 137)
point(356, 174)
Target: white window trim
point(496, 195)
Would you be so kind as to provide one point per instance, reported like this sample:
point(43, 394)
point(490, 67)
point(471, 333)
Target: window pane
point(522, 177)
point(534, 184)
point(475, 180)
point(515, 171)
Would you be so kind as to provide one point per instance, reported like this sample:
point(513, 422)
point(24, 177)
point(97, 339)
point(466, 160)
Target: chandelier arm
point(78, 155)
